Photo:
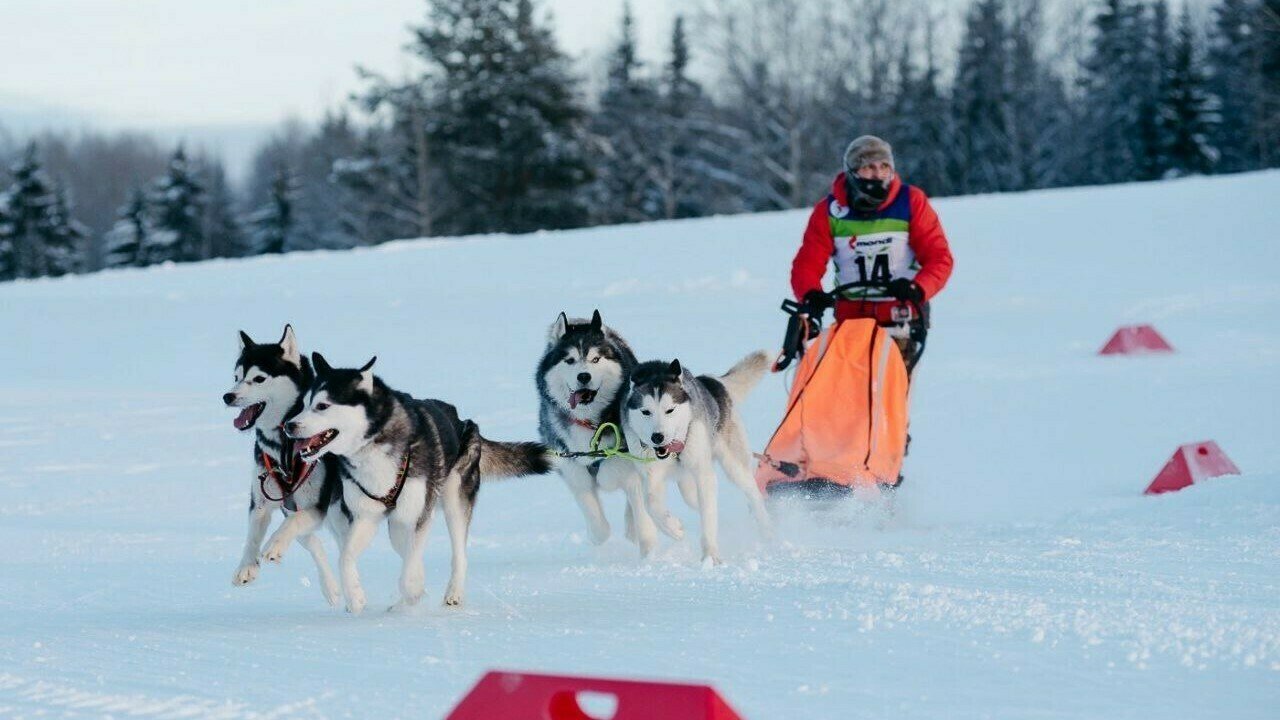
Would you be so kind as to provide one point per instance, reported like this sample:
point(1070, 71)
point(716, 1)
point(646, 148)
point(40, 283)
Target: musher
point(875, 229)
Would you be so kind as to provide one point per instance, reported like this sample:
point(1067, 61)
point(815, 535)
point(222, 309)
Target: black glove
point(816, 302)
point(906, 290)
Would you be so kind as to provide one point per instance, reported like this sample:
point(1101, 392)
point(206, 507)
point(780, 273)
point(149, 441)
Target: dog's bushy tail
point(512, 459)
point(744, 376)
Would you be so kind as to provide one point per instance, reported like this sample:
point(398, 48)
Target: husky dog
point(398, 456)
point(579, 379)
point(270, 379)
point(687, 422)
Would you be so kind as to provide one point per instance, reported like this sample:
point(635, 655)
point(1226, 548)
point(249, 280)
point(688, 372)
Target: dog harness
point(288, 480)
point(389, 500)
point(618, 449)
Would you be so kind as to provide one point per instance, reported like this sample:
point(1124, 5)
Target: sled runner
point(845, 423)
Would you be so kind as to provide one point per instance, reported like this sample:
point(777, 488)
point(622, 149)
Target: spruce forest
point(500, 131)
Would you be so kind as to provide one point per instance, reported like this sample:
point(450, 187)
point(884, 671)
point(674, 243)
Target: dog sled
point(845, 422)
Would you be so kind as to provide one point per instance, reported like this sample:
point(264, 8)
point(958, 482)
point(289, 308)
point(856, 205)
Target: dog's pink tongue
point(675, 446)
point(245, 418)
point(573, 399)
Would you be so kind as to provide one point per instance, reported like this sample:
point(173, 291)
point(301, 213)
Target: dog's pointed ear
point(674, 369)
point(322, 366)
point(596, 322)
point(558, 328)
point(245, 340)
point(366, 375)
point(289, 344)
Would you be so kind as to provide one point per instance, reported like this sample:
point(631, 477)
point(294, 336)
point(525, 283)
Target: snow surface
point(1024, 575)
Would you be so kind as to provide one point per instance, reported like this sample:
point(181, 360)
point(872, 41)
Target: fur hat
point(866, 150)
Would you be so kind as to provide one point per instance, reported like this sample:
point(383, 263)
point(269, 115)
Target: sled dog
point(687, 422)
point(580, 380)
point(398, 457)
point(270, 379)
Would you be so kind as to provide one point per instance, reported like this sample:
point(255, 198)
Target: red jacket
point(925, 238)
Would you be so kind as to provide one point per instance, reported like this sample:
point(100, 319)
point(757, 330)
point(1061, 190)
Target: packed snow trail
point(1023, 574)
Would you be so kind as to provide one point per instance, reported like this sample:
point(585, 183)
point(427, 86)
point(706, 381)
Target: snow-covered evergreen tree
point(1038, 115)
point(223, 235)
point(271, 226)
point(320, 196)
point(7, 255)
point(38, 235)
point(1186, 108)
point(696, 172)
point(923, 129)
point(65, 249)
point(1265, 128)
point(177, 205)
point(1118, 95)
point(505, 126)
point(981, 101)
point(1233, 62)
point(127, 238)
point(627, 126)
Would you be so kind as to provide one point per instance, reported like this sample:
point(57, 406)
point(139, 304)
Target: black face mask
point(866, 195)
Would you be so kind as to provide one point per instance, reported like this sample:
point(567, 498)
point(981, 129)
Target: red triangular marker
point(525, 696)
point(1191, 464)
point(1135, 340)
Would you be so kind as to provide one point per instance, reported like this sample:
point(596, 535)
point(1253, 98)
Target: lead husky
point(270, 379)
point(687, 422)
point(397, 456)
point(579, 378)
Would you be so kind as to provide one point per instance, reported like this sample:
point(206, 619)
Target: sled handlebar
point(806, 322)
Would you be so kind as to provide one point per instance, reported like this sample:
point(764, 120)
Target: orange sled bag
point(846, 418)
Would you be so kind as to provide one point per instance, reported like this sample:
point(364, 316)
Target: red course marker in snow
point(1191, 464)
point(522, 696)
point(1135, 340)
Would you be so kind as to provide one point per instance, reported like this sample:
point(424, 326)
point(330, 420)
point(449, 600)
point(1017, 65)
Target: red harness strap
point(389, 500)
point(287, 480)
point(584, 423)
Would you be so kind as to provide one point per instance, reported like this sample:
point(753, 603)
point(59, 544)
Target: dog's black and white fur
point(687, 422)
point(379, 435)
point(270, 379)
point(580, 380)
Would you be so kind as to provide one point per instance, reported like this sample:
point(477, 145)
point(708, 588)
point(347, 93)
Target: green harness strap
point(596, 451)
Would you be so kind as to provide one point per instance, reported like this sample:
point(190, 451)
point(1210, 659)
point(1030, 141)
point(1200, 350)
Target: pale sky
point(162, 63)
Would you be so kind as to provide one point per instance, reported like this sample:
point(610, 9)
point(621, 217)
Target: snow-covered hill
point(1024, 575)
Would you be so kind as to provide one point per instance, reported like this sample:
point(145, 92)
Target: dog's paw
point(599, 533)
point(711, 561)
point(275, 552)
point(245, 574)
point(332, 594)
point(453, 598)
point(647, 546)
point(403, 604)
point(356, 602)
point(672, 526)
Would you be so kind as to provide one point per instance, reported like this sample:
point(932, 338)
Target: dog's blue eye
point(595, 360)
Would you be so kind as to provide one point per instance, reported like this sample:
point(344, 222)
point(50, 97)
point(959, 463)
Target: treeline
point(494, 133)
